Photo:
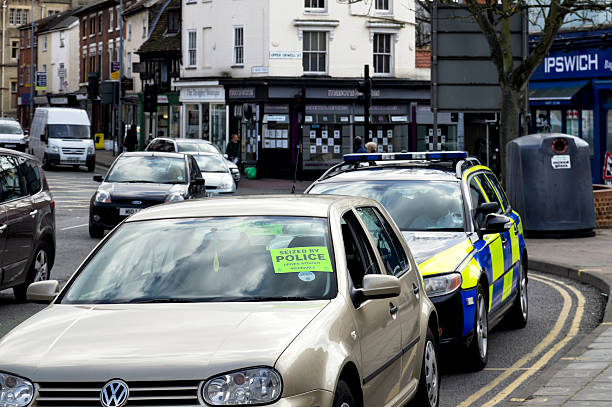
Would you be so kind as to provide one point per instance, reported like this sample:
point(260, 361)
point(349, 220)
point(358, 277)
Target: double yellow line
point(537, 357)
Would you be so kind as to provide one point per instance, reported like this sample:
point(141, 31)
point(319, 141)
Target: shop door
point(276, 160)
point(608, 116)
point(249, 144)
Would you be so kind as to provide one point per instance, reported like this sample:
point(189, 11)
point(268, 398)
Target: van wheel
point(478, 350)
point(344, 396)
point(46, 163)
point(39, 271)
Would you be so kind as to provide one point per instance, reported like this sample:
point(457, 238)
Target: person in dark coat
point(358, 145)
point(233, 149)
point(131, 141)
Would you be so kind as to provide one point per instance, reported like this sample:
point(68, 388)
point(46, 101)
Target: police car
point(461, 230)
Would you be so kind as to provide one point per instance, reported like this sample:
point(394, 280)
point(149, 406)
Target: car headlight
point(249, 386)
point(226, 183)
point(103, 197)
point(175, 197)
point(54, 149)
point(90, 150)
point(15, 391)
point(440, 285)
point(234, 170)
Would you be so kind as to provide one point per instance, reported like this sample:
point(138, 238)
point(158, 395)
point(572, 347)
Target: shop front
point(571, 92)
point(304, 126)
point(203, 112)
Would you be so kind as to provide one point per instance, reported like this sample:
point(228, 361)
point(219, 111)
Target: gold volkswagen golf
point(278, 300)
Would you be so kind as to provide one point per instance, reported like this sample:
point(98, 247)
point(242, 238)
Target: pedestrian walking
point(131, 140)
point(358, 145)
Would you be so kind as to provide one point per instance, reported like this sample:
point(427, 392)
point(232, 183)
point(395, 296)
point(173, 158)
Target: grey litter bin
point(549, 183)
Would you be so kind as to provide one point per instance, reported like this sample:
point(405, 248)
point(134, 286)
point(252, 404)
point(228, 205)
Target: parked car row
point(360, 280)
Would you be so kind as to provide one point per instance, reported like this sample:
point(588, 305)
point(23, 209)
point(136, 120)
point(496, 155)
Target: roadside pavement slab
point(588, 373)
point(605, 376)
point(588, 404)
point(577, 382)
point(552, 390)
point(546, 401)
point(596, 391)
point(593, 355)
point(590, 366)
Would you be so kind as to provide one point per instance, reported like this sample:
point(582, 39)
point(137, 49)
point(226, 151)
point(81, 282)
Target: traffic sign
point(607, 174)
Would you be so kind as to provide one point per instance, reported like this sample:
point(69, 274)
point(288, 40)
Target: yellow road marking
point(552, 335)
point(540, 363)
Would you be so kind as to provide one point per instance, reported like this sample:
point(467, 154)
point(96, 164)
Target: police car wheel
point(518, 315)
point(479, 346)
point(428, 393)
point(344, 396)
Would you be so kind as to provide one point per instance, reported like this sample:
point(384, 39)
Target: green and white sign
point(299, 259)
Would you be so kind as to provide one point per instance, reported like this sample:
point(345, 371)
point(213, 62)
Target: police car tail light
point(15, 391)
point(438, 155)
point(441, 285)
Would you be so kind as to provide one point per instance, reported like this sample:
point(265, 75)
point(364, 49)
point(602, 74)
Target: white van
point(61, 136)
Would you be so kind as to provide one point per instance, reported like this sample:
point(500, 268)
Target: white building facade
point(62, 46)
point(284, 74)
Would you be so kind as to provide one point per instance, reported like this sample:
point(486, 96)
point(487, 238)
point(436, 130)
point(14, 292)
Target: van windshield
point(75, 131)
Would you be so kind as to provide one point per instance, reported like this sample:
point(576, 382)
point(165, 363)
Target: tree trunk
point(509, 124)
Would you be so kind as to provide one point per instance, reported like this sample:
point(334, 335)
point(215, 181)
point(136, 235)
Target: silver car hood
point(141, 342)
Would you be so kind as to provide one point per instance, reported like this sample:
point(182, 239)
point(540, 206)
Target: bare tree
point(545, 16)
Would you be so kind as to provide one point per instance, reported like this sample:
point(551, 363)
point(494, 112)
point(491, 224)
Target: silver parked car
point(216, 173)
point(285, 301)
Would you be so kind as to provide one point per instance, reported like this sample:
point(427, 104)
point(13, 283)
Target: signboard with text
point(580, 63)
point(115, 70)
point(41, 80)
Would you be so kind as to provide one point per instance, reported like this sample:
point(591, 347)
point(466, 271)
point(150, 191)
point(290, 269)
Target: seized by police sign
point(299, 259)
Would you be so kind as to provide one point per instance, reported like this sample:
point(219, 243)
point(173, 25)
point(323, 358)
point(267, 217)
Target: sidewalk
point(584, 376)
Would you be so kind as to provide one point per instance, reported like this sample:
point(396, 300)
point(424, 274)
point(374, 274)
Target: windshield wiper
point(162, 300)
point(277, 298)
point(140, 181)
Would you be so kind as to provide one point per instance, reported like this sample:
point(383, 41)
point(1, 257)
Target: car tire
point(519, 313)
point(40, 270)
point(46, 164)
point(428, 393)
point(478, 349)
point(343, 396)
point(95, 232)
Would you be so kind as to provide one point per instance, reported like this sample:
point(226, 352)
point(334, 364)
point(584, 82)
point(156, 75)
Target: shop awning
point(554, 93)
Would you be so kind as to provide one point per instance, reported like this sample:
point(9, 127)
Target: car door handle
point(393, 309)
point(516, 232)
point(415, 289)
point(504, 240)
point(3, 228)
point(34, 212)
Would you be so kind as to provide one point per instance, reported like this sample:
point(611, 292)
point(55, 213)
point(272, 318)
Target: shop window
point(217, 125)
point(609, 127)
point(314, 51)
point(556, 121)
point(447, 140)
point(383, 58)
point(192, 129)
point(542, 122)
point(571, 122)
point(587, 128)
point(238, 45)
point(276, 131)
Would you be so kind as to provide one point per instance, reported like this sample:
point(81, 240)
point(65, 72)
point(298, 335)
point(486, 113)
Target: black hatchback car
point(141, 179)
point(27, 223)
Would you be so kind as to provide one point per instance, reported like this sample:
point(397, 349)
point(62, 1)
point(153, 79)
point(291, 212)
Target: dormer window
point(173, 21)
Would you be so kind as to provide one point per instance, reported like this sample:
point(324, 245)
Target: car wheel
point(428, 393)
point(344, 396)
point(39, 271)
point(46, 163)
point(478, 351)
point(517, 317)
point(95, 232)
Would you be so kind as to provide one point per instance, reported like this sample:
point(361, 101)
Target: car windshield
point(220, 259)
point(10, 128)
point(199, 147)
point(148, 169)
point(414, 205)
point(73, 131)
point(210, 163)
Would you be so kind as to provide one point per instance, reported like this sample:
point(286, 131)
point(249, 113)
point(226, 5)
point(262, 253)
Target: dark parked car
point(27, 222)
point(138, 180)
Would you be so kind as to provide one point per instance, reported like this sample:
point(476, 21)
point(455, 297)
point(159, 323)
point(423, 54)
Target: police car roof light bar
point(433, 155)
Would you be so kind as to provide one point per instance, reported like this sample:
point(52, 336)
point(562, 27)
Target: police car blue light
point(437, 155)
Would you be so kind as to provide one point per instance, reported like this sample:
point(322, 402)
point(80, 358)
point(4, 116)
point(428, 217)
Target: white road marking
point(74, 227)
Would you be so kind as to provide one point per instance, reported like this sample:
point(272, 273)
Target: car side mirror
point(487, 208)
point(495, 223)
point(42, 292)
point(377, 286)
point(98, 178)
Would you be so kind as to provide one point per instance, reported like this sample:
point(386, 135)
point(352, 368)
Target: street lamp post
point(120, 17)
point(32, 67)
point(3, 57)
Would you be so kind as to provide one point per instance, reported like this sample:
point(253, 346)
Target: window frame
point(359, 233)
point(326, 53)
point(390, 54)
point(13, 86)
point(387, 10)
point(44, 43)
point(16, 163)
point(100, 22)
point(315, 10)
point(15, 44)
point(111, 19)
point(144, 27)
point(236, 47)
point(191, 49)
